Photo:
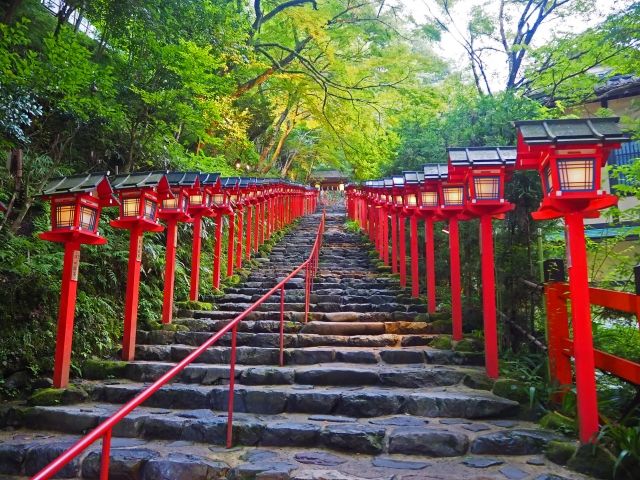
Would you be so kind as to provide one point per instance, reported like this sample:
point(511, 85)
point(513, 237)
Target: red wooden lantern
point(483, 171)
point(172, 211)
point(217, 202)
point(76, 202)
point(3, 207)
point(412, 186)
point(569, 156)
point(200, 205)
point(428, 197)
point(230, 186)
point(139, 196)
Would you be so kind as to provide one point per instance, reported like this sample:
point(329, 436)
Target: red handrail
point(104, 429)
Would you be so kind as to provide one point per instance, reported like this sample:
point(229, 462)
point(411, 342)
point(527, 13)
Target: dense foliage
point(278, 89)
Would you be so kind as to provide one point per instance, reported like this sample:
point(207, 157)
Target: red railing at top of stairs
point(105, 428)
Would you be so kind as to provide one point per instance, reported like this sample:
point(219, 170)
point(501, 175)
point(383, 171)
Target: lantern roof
point(83, 183)
point(209, 179)
point(3, 207)
point(244, 182)
point(435, 171)
point(387, 182)
point(482, 157)
point(230, 182)
point(138, 180)
point(570, 130)
point(411, 178)
point(183, 179)
point(259, 182)
point(398, 181)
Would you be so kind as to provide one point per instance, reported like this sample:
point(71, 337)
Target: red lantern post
point(173, 211)
point(569, 156)
point(199, 206)
point(428, 209)
point(250, 201)
point(231, 186)
point(412, 184)
point(139, 196)
point(483, 171)
point(221, 207)
point(451, 201)
point(75, 212)
point(396, 211)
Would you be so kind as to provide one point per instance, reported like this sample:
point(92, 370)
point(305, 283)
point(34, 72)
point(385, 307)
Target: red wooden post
point(372, 223)
point(431, 264)
point(240, 244)
point(394, 244)
point(636, 275)
point(403, 251)
point(131, 301)
point(248, 249)
point(582, 334)
point(66, 315)
point(269, 217)
point(557, 326)
point(413, 238)
point(231, 244)
point(385, 235)
point(456, 293)
point(489, 296)
point(380, 233)
point(195, 258)
point(170, 270)
point(262, 217)
point(256, 227)
point(217, 251)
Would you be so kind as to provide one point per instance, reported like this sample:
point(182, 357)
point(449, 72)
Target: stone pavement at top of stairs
point(361, 395)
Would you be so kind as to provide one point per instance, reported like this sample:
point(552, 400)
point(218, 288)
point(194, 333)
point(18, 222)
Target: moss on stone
point(511, 389)
point(153, 325)
point(440, 316)
point(232, 281)
point(559, 452)
point(440, 326)
point(598, 464)
point(422, 317)
point(193, 305)
point(556, 421)
point(49, 397)
point(468, 345)
point(174, 327)
point(442, 342)
point(384, 268)
point(102, 369)
point(478, 381)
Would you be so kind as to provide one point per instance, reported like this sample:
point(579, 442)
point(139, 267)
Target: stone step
point(315, 355)
point(359, 402)
point(159, 435)
point(354, 373)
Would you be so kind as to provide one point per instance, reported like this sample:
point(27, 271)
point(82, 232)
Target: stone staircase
point(364, 392)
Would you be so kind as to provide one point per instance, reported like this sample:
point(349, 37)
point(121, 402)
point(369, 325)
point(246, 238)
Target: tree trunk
point(15, 169)
point(272, 141)
point(11, 10)
point(284, 136)
point(30, 198)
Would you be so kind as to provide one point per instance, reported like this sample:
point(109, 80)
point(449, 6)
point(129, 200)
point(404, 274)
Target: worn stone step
point(449, 402)
point(313, 355)
point(156, 435)
point(353, 373)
